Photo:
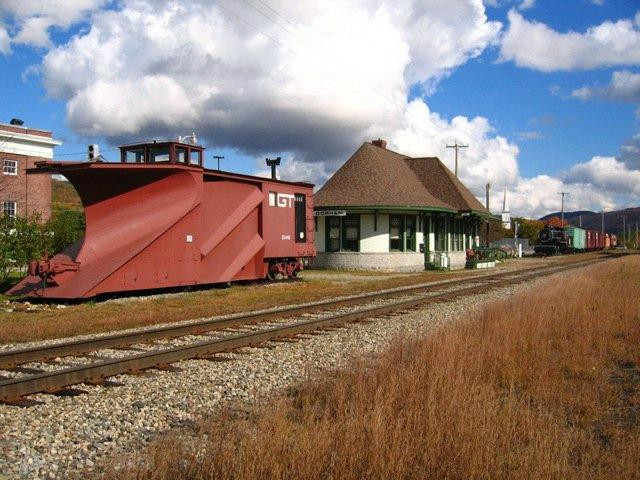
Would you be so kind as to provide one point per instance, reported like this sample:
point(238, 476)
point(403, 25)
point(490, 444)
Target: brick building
point(20, 148)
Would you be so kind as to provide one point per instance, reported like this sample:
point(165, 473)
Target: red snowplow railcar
point(158, 219)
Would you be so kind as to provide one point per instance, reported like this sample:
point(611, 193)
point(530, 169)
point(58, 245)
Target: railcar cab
point(163, 152)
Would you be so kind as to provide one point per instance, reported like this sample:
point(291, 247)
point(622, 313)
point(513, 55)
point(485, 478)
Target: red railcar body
point(159, 219)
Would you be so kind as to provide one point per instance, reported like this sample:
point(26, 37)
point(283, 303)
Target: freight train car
point(159, 219)
point(578, 239)
point(555, 240)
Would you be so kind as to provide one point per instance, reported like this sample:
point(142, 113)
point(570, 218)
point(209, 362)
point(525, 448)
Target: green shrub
point(66, 227)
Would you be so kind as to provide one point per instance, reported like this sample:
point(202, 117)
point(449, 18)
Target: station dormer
point(163, 152)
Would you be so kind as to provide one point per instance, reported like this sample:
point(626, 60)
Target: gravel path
point(68, 434)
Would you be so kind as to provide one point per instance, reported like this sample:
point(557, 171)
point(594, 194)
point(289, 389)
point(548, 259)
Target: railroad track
point(16, 390)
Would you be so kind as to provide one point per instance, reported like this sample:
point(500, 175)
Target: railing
point(482, 255)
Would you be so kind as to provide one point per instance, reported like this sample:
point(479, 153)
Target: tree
point(21, 239)
point(556, 222)
point(529, 229)
point(66, 227)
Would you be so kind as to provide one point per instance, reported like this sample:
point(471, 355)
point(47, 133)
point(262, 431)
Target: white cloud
point(624, 86)
point(34, 18)
point(597, 2)
point(311, 94)
point(5, 46)
point(630, 152)
point(488, 158)
point(315, 92)
point(606, 173)
point(530, 135)
point(537, 46)
point(537, 196)
point(526, 4)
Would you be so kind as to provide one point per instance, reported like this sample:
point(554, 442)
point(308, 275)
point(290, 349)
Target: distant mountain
point(568, 215)
point(593, 220)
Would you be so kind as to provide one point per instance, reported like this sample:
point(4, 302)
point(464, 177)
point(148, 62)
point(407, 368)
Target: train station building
point(386, 211)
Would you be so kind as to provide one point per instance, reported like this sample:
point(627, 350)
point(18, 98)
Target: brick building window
point(10, 167)
point(9, 209)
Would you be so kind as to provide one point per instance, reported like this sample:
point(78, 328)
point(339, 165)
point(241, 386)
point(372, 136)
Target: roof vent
point(16, 121)
point(380, 143)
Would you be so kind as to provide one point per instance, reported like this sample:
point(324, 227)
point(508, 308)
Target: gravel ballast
point(68, 435)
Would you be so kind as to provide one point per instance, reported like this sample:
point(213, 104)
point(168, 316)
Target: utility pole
point(602, 227)
point(562, 208)
point(457, 146)
point(488, 187)
point(218, 157)
point(624, 228)
point(580, 219)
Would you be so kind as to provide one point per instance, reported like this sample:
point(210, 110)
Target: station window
point(441, 237)
point(402, 233)
point(181, 154)
point(351, 233)
point(333, 234)
point(159, 154)
point(195, 157)
point(455, 236)
point(10, 209)
point(10, 167)
point(396, 233)
point(410, 233)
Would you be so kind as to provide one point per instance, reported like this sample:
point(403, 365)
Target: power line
point(293, 52)
point(306, 60)
point(323, 50)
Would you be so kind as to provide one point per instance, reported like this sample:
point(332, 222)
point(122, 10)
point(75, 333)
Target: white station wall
point(374, 241)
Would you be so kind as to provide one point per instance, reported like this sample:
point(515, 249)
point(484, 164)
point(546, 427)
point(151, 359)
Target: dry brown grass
point(546, 385)
point(90, 317)
point(94, 317)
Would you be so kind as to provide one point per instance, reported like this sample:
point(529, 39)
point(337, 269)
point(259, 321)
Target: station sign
point(330, 213)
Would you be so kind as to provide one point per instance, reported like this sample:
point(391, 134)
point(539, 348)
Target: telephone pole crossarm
point(457, 146)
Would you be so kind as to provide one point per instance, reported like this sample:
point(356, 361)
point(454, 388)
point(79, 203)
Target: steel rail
point(14, 390)
point(12, 358)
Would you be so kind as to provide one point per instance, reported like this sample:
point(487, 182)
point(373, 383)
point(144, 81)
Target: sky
point(546, 93)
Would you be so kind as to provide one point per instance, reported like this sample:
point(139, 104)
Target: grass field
point(544, 385)
point(21, 325)
point(92, 317)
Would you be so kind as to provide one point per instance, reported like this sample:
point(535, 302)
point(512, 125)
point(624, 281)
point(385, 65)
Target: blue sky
point(546, 93)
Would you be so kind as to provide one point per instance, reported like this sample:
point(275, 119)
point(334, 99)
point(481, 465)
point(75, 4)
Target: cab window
point(196, 157)
point(158, 154)
point(135, 155)
point(181, 155)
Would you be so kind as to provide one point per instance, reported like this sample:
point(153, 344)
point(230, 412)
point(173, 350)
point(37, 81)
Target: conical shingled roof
point(442, 183)
point(375, 176)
